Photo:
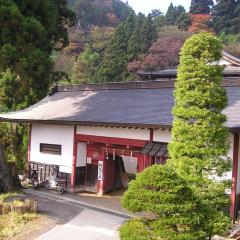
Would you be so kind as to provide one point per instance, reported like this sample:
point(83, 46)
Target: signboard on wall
point(100, 170)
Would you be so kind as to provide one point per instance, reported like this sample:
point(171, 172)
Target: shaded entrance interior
point(109, 167)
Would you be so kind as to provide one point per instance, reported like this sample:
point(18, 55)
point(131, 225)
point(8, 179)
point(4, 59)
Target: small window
point(51, 148)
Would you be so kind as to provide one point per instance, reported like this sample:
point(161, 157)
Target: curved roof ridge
point(229, 57)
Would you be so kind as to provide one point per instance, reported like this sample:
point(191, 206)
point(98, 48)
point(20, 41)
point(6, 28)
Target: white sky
point(145, 6)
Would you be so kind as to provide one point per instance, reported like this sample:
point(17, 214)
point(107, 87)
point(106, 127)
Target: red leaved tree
point(163, 54)
point(200, 23)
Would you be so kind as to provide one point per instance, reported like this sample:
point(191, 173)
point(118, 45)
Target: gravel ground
point(60, 212)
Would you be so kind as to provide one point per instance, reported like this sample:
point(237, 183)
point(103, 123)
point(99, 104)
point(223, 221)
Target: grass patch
point(5, 196)
point(13, 223)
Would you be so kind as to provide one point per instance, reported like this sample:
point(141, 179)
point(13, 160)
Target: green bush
point(135, 230)
point(178, 213)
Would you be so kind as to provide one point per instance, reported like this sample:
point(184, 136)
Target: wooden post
point(151, 135)
point(74, 160)
point(234, 176)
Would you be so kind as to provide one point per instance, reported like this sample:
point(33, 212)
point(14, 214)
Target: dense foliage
point(173, 14)
point(136, 229)
point(27, 38)
point(122, 53)
point(99, 12)
point(199, 22)
point(132, 37)
point(160, 56)
point(200, 6)
point(199, 135)
point(160, 191)
point(226, 16)
point(29, 32)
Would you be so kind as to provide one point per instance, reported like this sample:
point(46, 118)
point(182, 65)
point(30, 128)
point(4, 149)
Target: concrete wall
point(53, 134)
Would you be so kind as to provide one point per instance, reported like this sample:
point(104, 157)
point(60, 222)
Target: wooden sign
point(100, 170)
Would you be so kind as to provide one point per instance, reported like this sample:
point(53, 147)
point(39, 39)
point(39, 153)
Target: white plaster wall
point(81, 154)
point(161, 135)
point(140, 134)
point(53, 134)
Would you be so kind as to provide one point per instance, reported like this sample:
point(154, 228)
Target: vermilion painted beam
point(74, 161)
point(234, 175)
point(110, 140)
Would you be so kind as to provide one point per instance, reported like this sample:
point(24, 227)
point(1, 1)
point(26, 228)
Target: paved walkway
point(88, 225)
point(90, 222)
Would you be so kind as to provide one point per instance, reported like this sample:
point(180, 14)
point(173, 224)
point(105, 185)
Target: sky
point(145, 6)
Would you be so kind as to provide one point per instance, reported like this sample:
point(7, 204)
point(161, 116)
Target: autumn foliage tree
point(160, 56)
point(163, 53)
point(200, 22)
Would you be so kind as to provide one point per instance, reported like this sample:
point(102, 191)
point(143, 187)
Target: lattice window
point(51, 148)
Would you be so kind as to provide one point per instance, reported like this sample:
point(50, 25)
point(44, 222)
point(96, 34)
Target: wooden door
point(109, 173)
point(91, 177)
point(81, 164)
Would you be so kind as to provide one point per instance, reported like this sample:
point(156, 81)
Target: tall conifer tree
point(173, 14)
point(148, 34)
point(134, 43)
point(199, 135)
point(226, 16)
point(114, 65)
point(170, 16)
point(29, 32)
point(200, 6)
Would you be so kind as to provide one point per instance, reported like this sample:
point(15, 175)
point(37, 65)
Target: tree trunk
point(9, 181)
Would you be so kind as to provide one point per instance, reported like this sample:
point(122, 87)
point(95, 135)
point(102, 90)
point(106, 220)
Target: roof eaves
point(62, 122)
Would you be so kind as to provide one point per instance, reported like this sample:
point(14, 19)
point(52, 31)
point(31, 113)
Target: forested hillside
point(98, 12)
point(110, 42)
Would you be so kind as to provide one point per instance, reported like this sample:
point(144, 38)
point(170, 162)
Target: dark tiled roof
point(229, 71)
point(146, 104)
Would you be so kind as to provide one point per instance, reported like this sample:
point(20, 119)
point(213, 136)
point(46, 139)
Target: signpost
point(100, 170)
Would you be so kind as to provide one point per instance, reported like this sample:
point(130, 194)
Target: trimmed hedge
point(135, 230)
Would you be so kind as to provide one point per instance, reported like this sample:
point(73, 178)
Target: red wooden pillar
point(74, 160)
point(234, 176)
point(144, 161)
